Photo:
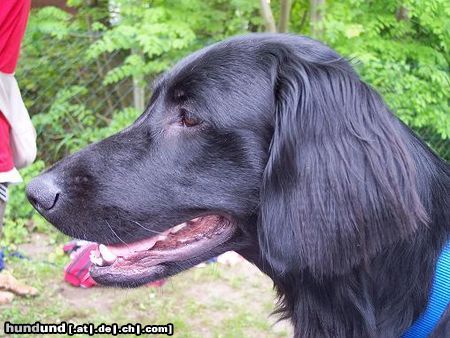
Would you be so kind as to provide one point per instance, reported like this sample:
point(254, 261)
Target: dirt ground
point(214, 301)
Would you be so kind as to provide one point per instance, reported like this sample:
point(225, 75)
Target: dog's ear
point(339, 185)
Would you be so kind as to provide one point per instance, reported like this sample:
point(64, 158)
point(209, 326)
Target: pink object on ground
point(77, 271)
point(157, 283)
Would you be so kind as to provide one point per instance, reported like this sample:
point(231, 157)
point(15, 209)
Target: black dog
point(272, 146)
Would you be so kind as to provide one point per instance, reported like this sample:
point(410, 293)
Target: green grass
point(214, 301)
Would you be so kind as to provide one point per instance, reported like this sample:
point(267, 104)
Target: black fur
point(335, 199)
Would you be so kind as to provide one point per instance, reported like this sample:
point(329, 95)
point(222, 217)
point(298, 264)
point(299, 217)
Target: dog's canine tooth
point(165, 233)
point(160, 238)
point(177, 228)
point(106, 254)
point(95, 259)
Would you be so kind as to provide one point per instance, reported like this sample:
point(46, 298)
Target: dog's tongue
point(107, 255)
point(124, 250)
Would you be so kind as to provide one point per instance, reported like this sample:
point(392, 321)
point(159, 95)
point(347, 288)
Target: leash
point(439, 299)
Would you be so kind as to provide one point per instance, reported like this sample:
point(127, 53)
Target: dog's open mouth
point(147, 259)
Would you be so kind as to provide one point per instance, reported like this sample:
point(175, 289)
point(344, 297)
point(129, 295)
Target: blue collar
point(439, 299)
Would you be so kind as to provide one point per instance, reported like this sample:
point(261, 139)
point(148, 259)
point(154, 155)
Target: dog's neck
point(379, 300)
point(383, 296)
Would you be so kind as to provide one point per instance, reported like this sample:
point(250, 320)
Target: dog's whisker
point(115, 234)
point(145, 228)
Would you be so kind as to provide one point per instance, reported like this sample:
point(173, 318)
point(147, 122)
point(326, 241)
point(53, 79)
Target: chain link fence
point(440, 146)
point(66, 96)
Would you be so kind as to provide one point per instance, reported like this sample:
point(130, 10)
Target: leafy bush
point(403, 51)
point(19, 211)
point(77, 71)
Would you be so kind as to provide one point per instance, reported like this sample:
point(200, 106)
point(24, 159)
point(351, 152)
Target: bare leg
point(2, 213)
point(6, 297)
point(8, 283)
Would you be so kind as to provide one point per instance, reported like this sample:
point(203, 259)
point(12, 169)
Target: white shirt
point(22, 135)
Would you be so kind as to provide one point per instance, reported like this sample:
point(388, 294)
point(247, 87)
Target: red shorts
point(6, 158)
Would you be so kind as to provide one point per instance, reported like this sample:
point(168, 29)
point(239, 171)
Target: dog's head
point(269, 145)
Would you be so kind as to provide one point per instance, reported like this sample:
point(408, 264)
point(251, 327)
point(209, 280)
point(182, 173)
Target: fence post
point(138, 87)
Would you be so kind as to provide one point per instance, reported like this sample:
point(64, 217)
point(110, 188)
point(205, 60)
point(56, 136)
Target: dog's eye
point(187, 119)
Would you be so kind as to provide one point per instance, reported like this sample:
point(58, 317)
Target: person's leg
point(2, 213)
point(3, 198)
point(8, 284)
point(6, 297)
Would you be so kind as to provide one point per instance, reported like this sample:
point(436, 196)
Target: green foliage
point(76, 72)
point(146, 34)
point(19, 211)
point(15, 232)
point(155, 34)
point(405, 56)
point(51, 21)
point(17, 207)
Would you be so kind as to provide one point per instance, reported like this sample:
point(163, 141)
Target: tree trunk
point(284, 15)
point(138, 89)
point(138, 96)
point(402, 13)
point(267, 15)
point(317, 13)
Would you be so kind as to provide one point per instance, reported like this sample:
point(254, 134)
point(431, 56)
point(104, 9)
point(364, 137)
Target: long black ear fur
point(340, 184)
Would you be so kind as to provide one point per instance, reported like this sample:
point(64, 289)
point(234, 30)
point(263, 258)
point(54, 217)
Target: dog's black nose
point(43, 193)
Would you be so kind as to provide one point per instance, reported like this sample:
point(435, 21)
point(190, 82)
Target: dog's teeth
point(106, 254)
point(153, 242)
point(95, 259)
point(177, 228)
point(92, 256)
point(161, 238)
